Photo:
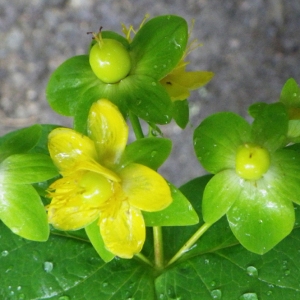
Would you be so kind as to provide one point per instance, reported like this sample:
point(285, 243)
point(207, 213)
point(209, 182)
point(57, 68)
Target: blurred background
point(252, 46)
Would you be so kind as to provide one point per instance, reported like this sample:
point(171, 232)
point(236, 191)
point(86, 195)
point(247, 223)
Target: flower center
point(96, 189)
point(252, 161)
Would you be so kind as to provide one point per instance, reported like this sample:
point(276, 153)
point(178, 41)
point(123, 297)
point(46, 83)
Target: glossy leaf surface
point(159, 45)
point(217, 265)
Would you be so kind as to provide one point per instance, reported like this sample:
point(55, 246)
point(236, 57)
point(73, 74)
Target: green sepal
point(19, 141)
point(255, 108)
point(71, 82)
point(179, 213)
point(290, 94)
point(147, 98)
point(180, 113)
point(158, 46)
point(107, 34)
point(21, 210)
point(219, 195)
point(260, 222)
point(270, 126)
point(217, 138)
point(293, 134)
point(151, 152)
point(93, 233)
point(27, 168)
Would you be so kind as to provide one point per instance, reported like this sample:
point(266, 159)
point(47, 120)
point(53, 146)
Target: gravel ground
point(253, 46)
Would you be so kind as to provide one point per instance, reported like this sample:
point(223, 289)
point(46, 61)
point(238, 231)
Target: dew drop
point(153, 83)
point(48, 266)
point(252, 271)
point(249, 296)
point(104, 284)
point(153, 153)
point(4, 253)
point(19, 288)
point(21, 297)
point(206, 261)
point(213, 283)
point(64, 298)
point(269, 293)
point(287, 272)
point(216, 294)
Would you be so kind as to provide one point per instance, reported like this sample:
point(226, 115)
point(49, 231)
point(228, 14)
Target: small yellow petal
point(192, 80)
point(175, 91)
point(145, 188)
point(122, 229)
point(67, 147)
point(108, 129)
point(94, 167)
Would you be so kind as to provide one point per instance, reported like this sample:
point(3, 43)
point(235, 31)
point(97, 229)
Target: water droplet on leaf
point(269, 293)
point(216, 294)
point(249, 296)
point(48, 266)
point(4, 253)
point(252, 271)
point(64, 298)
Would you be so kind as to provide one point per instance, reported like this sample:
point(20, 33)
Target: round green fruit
point(252, 161)
point(110, 60)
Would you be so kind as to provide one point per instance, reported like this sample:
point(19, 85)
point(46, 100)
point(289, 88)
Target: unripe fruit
point(95, 188)
point(109, 60)
point(252, 161)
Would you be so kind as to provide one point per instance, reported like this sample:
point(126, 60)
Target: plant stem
point(186, 247)
point(136, 126)
point(158, 248)
point(143, 258)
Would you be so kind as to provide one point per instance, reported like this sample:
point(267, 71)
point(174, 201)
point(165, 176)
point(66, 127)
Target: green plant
point(84, 215)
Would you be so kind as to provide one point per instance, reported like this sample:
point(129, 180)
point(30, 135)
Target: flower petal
point(71, 215)
point(108, 129)
point(145, 188)
point(77, 199)
point(67, 147)
point(122, 229)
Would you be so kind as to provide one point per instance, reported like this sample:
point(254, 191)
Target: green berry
point(109, 60)
point(252, 161)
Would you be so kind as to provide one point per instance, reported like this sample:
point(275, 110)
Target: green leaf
point(21, 210)
point(217, 138)
point(293, 134)
point(255, 108)
point(151, 152)
point(71, 82)
point(19, 141)
point(158, 46)
point(106, 34)
point(285, 173)
point(64, 268)
point(27, 168)
point(181, 113)
point(93, 232)
point(220, 194)
point(147, 99)
point(270, 126)
point(290, 94)
point(261, 216)
point(179, 213)
point(42, 145)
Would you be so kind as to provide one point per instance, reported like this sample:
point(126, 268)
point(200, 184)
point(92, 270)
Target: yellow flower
point(179, 82)
point(96, 185)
